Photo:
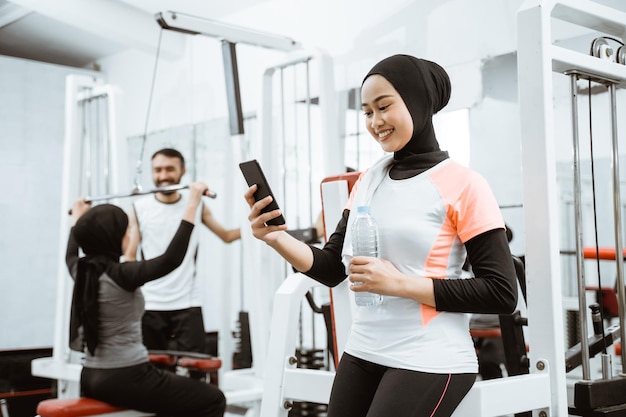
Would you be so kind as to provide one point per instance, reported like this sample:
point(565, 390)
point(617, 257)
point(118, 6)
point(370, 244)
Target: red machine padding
point(618, 349)
point(74, 407)
point(194, 360)
point(486, 333)
point(351, 179)
point(27, 393)
point(162, 359)
point(201, 364)
point(607, 254)
point(609, 303)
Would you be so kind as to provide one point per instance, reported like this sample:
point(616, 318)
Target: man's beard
point(163, 184)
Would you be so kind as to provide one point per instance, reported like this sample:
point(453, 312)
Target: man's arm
point(130, 254)
point(227, 235)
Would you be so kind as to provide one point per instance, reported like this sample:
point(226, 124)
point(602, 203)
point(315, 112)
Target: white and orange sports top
point(423, 223)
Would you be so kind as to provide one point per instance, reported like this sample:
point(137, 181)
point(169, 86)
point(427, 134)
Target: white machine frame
point(196, 25)
point(78, 88)
point(284, 383)
point(538, 59)
point(242, 386)
point(266, 269)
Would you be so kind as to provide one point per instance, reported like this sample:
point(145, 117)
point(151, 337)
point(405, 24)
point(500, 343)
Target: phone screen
point(253, 174)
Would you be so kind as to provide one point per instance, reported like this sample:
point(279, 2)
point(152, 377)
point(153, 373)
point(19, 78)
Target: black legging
point(184, 327)
point(365, 389)
point(146, 388)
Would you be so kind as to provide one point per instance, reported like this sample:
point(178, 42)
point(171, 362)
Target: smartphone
point(253, 174)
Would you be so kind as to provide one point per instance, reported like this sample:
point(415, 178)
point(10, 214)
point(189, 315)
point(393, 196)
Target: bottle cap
point(363, 209)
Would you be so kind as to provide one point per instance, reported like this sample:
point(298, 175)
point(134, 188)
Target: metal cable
point(619, 251)
point(595, 217)
point(150, 97)
point(582, 304)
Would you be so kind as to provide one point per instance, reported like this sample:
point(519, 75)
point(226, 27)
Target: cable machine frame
point(267, 149)
point(538, 59)
point(62, 365)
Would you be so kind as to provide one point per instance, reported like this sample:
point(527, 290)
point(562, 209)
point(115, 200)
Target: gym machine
point(92, 153)
point(539, 58)
point(240, 387)
point(289, 90)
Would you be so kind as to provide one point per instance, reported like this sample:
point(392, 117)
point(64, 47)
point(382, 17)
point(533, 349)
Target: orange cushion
point(609, 300)
point(162, 359)
point(74, 407)
point(486, 333)
point(202, 364)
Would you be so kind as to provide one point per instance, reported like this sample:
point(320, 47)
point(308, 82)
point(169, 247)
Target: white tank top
point(158, 223)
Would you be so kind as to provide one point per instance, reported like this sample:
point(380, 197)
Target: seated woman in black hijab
point(107, 306)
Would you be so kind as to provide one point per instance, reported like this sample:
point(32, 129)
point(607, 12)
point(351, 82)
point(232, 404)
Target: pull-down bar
point(194, 25)
point(230, 35)
point(134, 193)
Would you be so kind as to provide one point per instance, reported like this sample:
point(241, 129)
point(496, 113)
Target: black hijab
point(99, 233)
point(425, 89)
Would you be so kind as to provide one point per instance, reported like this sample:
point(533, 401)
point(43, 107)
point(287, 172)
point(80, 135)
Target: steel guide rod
point(621, 298)
point(582, 302)
point(539, 57)
point(621, 291)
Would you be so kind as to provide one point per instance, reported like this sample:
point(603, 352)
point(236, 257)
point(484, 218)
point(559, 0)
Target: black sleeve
point(71, 255)
point(494, 288)
point(131, 275)
point(328, 268)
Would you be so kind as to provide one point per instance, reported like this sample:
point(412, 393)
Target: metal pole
point(4, 410)
point(582, 301)
point(108, 138)
point(283, 135)
point(86, 147)
point(309, 136)
point(296, 145)
point(619, 258)
point(233, 91)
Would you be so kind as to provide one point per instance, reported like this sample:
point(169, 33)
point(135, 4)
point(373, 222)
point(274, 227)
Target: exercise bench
point(86, 407)
point(83, 407)
point(190, 361)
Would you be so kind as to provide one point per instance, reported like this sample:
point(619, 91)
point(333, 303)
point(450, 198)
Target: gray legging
point(365, 389)
point(146, 388)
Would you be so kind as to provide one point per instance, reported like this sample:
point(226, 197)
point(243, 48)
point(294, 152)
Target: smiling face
point(166, 170)
point(386, 116)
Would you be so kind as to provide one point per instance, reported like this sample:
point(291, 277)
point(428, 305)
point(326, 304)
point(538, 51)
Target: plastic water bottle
point(365, 243)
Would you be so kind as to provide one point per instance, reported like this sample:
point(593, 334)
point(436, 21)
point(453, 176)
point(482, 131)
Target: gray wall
point(495, 141)
point(32, 99)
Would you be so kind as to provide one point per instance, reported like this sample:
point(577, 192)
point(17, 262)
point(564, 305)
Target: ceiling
point(29, 35)
point(79, 32)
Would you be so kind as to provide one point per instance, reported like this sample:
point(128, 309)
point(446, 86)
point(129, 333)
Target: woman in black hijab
point(412, 355)
point(107, 306)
